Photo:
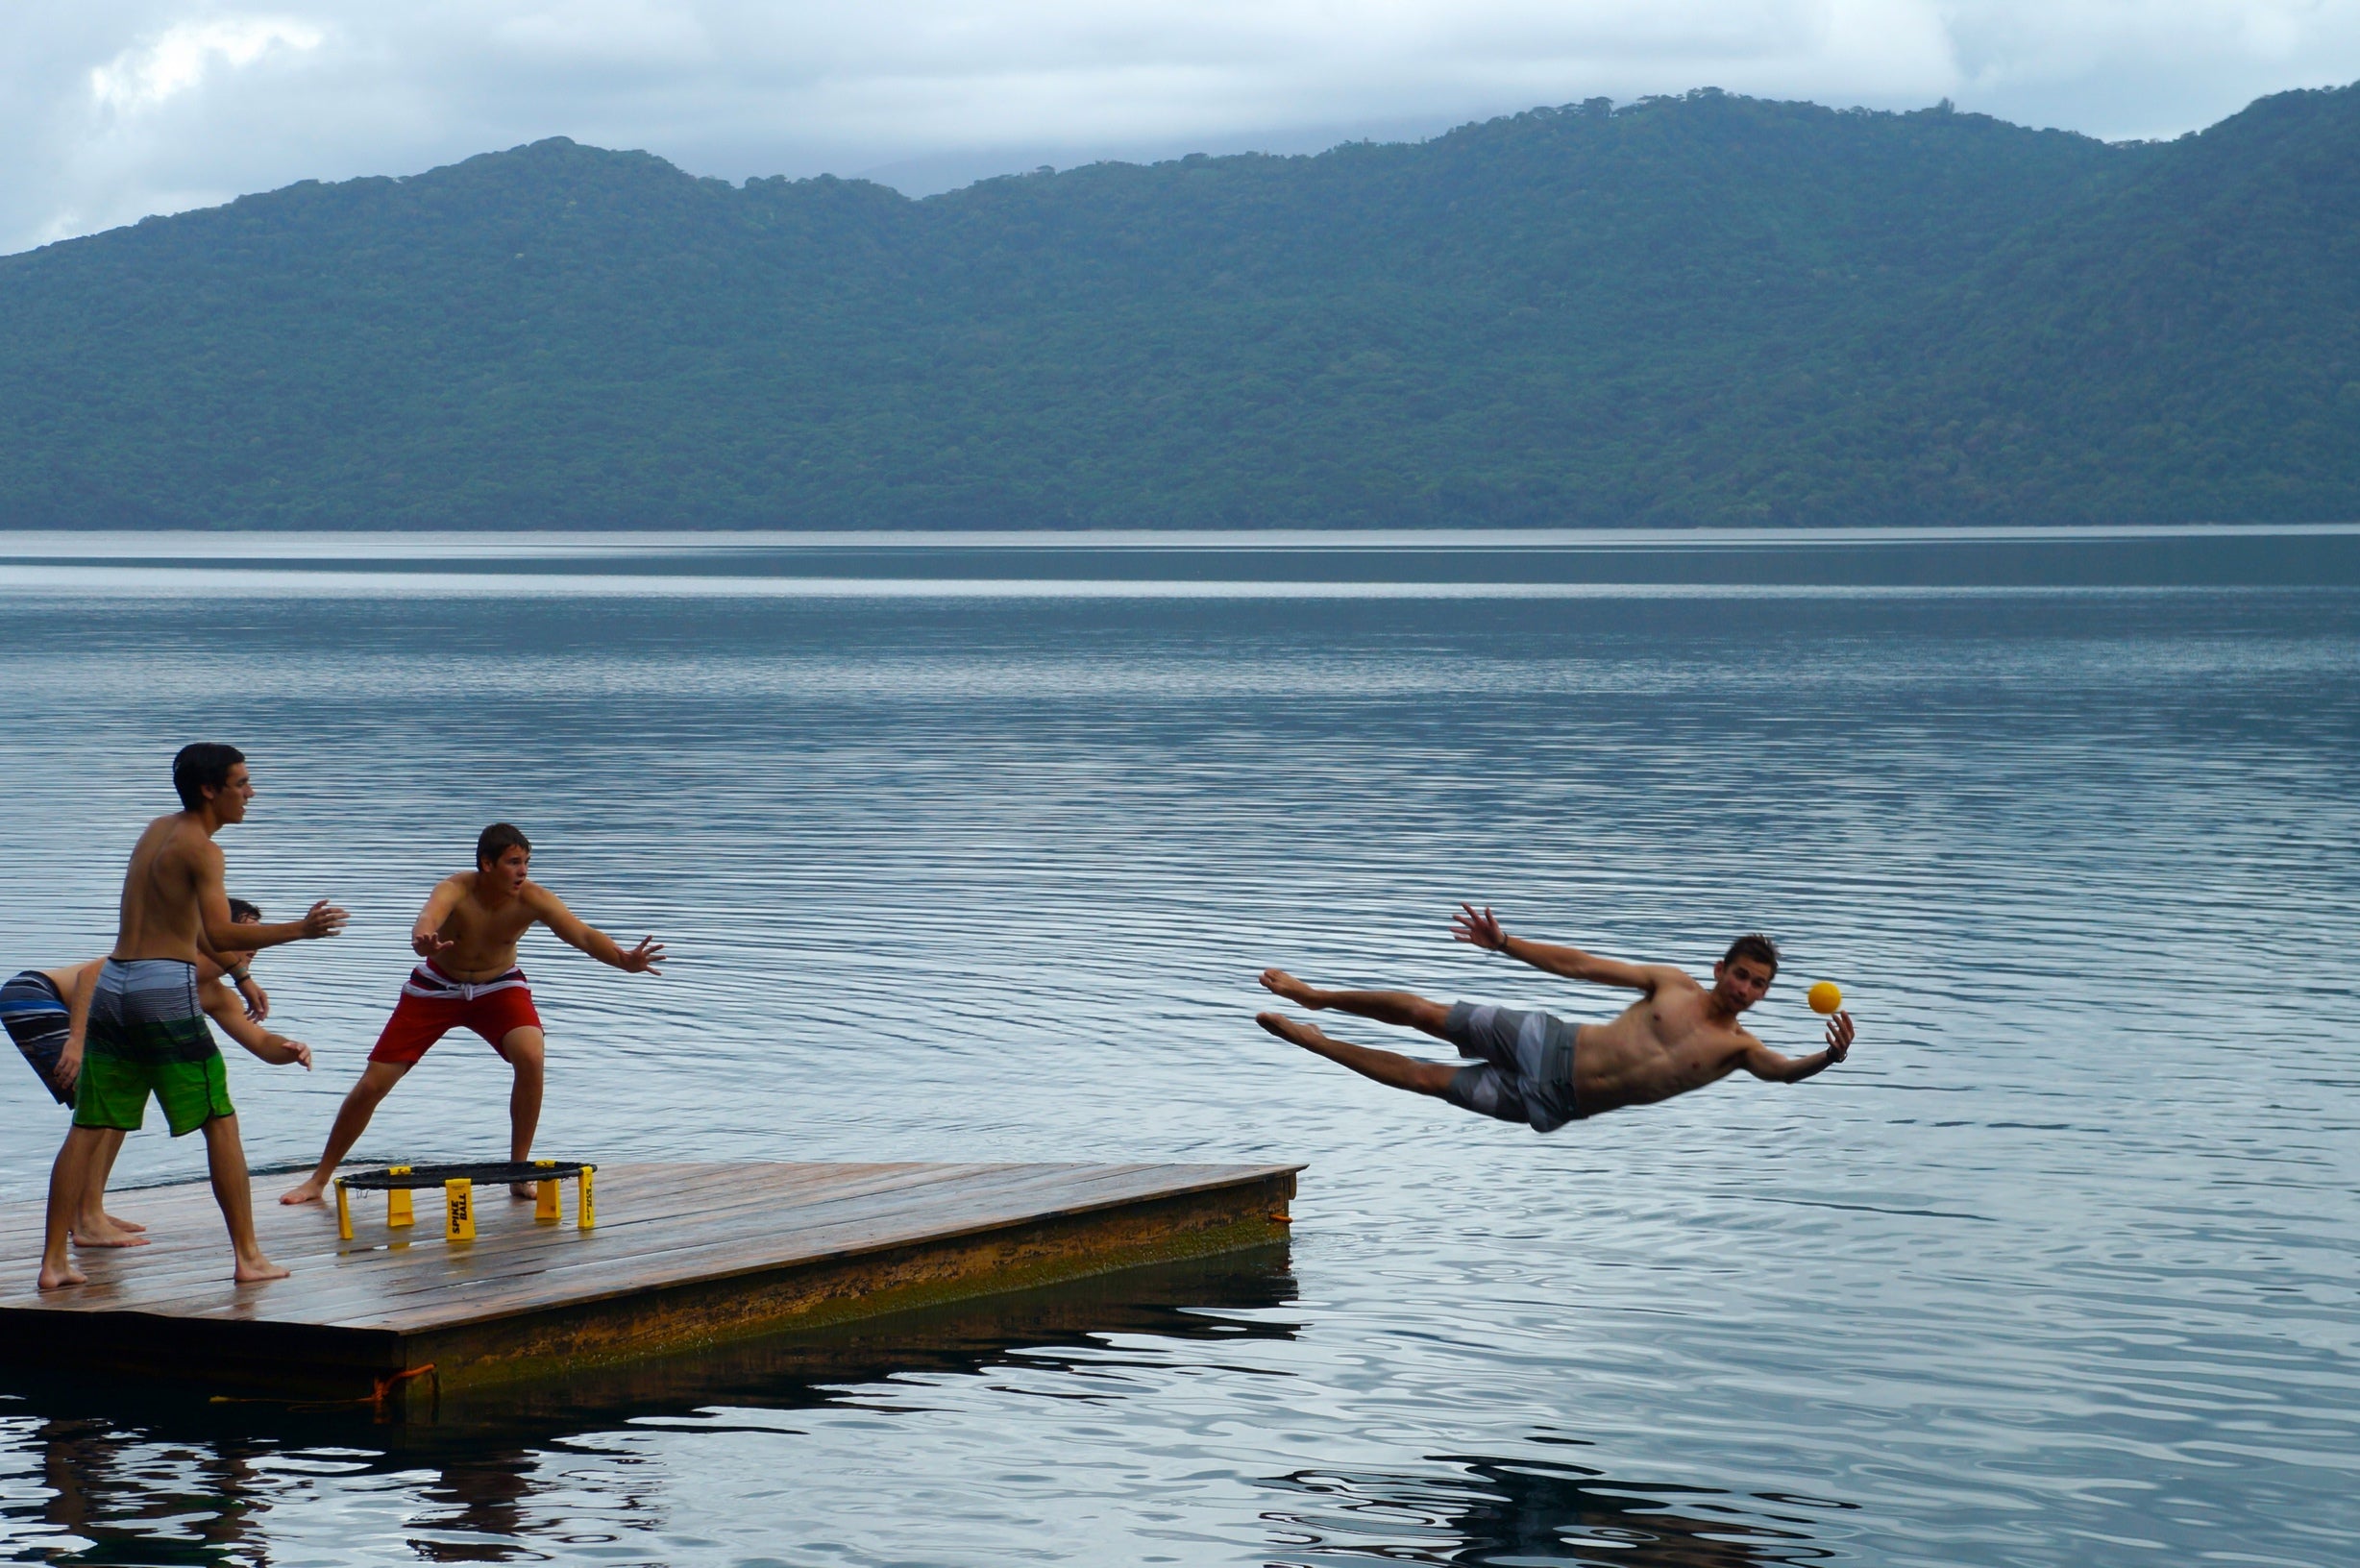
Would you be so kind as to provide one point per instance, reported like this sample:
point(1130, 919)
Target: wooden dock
point(682, 1256)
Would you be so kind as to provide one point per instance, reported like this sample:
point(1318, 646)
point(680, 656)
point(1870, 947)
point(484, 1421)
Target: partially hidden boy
point(48, 1014)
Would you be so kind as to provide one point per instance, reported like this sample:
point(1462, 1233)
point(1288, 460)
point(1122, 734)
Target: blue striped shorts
point(37, 1021)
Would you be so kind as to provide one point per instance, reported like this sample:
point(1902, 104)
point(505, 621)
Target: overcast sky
point(122, 107)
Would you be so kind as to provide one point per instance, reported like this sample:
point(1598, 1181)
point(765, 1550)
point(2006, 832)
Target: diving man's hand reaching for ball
point(1839, 1036)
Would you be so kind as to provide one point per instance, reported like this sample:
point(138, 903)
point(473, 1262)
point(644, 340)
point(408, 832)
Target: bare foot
point(122, 1224)
point(525, 1192)
point(58, 1279)
point(104, 1232)
point(309, 1192)
point(256, 1271)
point(1292, 1032)
point(1294, 989)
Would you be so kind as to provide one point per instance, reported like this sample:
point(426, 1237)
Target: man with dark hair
point(200, 765)
point(46, 1012)
point(467, 937)
point(1540, 1071)
point(145, 1033)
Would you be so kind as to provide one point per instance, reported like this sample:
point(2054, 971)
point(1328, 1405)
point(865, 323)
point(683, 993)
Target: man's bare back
point(173, 892)
point(160, 913)
point(1679, 1036)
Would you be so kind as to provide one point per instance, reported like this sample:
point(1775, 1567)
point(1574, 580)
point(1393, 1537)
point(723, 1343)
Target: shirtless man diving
point(146, 1032)
point(467, 935)
point(1544, 1071)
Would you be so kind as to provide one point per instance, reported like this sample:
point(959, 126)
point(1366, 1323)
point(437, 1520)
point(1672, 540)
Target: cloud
point(140, 106)
point(179, 59)
point(641, 33)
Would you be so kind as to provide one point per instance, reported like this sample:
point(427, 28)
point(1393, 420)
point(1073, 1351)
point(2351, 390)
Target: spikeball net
point(458, 1185)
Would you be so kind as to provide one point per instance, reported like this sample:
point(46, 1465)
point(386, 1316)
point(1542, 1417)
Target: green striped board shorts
point(147, 1036)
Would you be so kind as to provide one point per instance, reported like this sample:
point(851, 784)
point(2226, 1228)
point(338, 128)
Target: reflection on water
point(1511, 1514)
point(120, 1494)
point(164, 1476)
point(2060, 1268)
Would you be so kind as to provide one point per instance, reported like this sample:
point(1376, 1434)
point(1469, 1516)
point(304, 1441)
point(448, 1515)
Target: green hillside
point(1705, 309)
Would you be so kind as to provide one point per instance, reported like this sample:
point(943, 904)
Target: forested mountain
point(1705, 310)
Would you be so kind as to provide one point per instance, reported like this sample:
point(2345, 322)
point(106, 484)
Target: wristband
point(239, 977)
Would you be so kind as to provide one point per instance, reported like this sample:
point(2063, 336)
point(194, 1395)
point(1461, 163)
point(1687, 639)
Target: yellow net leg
point(458, 1209)
point(344, 1212)
point(546, 1211)
point(585, 1207)
point(396, 1200)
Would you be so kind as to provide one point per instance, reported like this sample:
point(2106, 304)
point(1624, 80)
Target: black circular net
point(486, 1171)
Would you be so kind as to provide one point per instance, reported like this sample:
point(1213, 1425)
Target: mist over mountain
point(1708, 309)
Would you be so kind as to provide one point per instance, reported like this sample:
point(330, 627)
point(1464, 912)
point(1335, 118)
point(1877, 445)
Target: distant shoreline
point(85, 543)
point(1703, 311)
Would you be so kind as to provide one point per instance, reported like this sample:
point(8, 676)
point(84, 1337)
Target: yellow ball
point(1826, 996)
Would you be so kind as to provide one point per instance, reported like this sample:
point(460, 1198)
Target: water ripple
point(2060, 1268)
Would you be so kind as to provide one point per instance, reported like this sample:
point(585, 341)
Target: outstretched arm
point(223, 1006)
point(573, 933)
point(426, 938)
point(1765, 1064)
point(227, 938)
point(1481, 929)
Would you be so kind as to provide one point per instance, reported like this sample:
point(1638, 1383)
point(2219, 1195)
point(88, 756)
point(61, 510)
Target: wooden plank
point(198, 1269)
point(729, 1253)
point(590, 1257)
point(988, 1197)
point(186, 1219)
point(1018, 1193)
point(682, 1254)
point(815, 1223)
point(714, 1263)
point(830, 1289)
point(526, 1249)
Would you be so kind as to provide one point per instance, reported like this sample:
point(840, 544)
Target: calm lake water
point(971, 848)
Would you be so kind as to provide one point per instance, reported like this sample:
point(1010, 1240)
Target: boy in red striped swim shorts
point(467, 937)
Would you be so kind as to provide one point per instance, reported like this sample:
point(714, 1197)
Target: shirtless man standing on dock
point(1543, 1071)
point(467, 935)
point(145, 1033)
point(46, 1012)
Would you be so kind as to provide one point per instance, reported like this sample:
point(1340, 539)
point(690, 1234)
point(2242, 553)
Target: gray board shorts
point(1525, 1068)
